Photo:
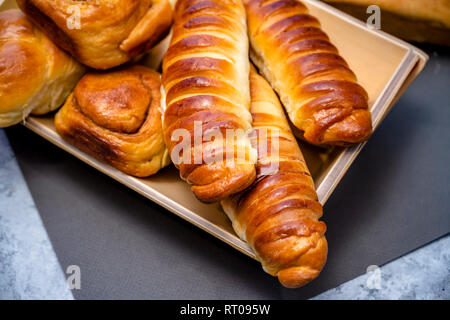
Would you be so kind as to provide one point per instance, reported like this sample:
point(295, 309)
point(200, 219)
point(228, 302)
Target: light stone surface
point(29, 268)
point(422, 274)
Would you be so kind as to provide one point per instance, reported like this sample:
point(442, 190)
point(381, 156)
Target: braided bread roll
point(116, 117)
point(103, 33)
point(205, 76)
point(35, 75)
point(278, 216)
point(315, 84)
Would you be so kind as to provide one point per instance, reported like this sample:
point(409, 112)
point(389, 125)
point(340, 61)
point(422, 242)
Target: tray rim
point(411, 65)
point(414, 59)
point(380, 109)
point(334, 176)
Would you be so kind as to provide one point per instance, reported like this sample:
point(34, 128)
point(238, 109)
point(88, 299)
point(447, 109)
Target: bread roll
point(35, 76)
point(104, 33)
point(205, 76)
point(278, 215)
point(418, 20)
point(115, 116)
point(315, 84)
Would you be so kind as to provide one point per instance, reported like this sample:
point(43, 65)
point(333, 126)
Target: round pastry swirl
point(115, 116)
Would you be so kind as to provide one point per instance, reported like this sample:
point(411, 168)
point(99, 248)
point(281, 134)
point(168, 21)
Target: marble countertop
point(29, 268)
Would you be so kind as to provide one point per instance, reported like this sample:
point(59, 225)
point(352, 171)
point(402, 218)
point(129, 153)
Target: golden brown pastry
point(415, 20)
point(115, 116)
point(315, 84)
point(35, 75)
point(278, 215)
point(108, 33)
point(205, 76)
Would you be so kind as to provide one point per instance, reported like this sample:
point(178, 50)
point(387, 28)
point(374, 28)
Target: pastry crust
point(116, 117)
point(205, 76)
point(110, 32)
point(315, 84)
point(35, 75)
point(278, 215)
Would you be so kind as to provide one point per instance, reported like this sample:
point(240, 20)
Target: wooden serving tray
point(384, 65)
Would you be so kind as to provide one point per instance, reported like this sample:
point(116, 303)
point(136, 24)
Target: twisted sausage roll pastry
point(205, 76)
point(116, 117)
point(101, 33)
point(278, 215)
point(35, 76)
point(315, 84)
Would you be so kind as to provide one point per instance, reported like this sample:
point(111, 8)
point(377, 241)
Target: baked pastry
point(115, 116)
point(418, 20)
point(153, 58)
point(315, 84)
point(107, 33)
point(205, 76)
point(35, 75)
point(278, 215)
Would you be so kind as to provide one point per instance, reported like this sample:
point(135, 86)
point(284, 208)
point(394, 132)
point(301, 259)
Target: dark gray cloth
point(394, 198)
